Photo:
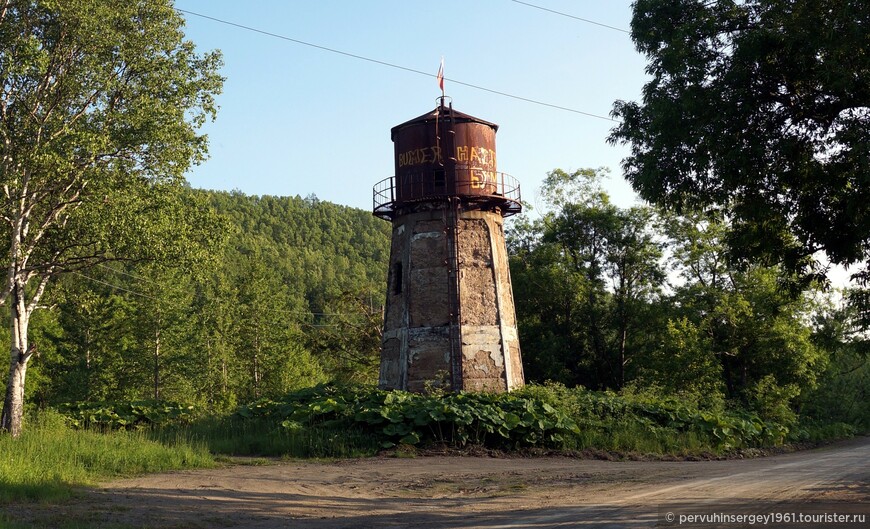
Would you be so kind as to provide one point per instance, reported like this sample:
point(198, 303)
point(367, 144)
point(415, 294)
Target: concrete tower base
point(450, 319)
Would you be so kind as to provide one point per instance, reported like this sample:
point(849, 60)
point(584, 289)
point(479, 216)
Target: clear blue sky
point(296, 120)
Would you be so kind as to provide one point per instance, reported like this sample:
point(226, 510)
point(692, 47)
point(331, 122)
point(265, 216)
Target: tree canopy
point(584, 276)
point(760, 108)
point(642, 300)
point(100, 102)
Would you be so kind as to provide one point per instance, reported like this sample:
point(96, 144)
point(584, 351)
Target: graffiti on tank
point(476, 157)
point(421, 156)
point(482, 179)
point(476, 165)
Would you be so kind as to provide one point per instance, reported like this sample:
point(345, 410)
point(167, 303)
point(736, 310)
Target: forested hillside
point(291, 297)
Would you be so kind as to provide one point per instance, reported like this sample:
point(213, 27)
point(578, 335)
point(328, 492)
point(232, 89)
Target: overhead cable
point(392, 65)
point(572, 16)
point(276, 310)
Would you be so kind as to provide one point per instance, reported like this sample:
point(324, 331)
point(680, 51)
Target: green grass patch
point(50, 458)
point(238, 436)
point(633, 437)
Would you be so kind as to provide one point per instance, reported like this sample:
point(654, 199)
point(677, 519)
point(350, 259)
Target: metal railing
point(475, 186)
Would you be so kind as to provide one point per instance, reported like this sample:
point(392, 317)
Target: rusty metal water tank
point(445, 153)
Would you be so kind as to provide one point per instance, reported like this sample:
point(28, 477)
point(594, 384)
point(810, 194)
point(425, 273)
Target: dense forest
point(290, 292)
point(641, 300)
point(287, 296)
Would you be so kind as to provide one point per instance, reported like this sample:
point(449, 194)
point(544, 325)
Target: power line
point(572, 16)
point(300, 323)
point(116, 287)
point(280, 311)
point(392, 65)
point(134, 276)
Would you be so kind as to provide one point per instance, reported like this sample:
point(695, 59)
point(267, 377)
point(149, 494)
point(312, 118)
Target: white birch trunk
point(157, 362)
point(13, 406)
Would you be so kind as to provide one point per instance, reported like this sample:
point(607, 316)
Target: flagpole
point(440, 78)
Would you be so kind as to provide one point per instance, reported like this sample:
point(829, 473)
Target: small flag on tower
point(441, 76)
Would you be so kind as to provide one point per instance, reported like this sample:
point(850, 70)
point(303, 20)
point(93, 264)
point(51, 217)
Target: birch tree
point(100, 105)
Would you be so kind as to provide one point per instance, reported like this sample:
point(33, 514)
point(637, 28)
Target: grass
point(241, 437)
point(49, 460)
point(629, 437)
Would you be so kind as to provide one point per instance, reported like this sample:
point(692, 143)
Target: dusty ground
point(483, 492)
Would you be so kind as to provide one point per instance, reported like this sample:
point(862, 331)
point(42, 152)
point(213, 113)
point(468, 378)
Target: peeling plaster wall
point(416, 346)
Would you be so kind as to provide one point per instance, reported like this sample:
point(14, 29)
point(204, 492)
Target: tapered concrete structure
point(450, 319)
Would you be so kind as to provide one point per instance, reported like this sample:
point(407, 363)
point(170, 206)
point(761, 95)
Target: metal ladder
point(454, 292)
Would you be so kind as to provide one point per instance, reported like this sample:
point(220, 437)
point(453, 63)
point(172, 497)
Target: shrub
point(398, 417)
point(126, 415)
point(551, 415)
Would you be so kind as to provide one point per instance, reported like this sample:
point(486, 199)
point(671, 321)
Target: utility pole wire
point(116, 287)
point(391, 65)
point(572, 16)
point(171, 305)
point(134, 276)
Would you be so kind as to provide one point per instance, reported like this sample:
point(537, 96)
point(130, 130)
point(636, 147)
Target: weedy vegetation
point(86, 442)
point(51, 457)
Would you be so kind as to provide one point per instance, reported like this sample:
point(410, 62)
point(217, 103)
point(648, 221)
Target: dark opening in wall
point(397, 278)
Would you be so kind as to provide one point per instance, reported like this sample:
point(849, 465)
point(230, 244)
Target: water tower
point(449, 318)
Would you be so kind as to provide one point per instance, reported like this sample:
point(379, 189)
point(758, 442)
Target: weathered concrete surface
point(428, 359)
point(421, 303)
point(390, 360)
point(483, 363)
point(427, 297)
point(477, 296)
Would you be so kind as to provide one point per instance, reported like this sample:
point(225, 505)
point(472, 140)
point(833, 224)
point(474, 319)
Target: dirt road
point(479, 492)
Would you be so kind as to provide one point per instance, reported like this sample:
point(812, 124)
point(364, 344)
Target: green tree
point(584, 275)
point(97, 325)
point(326, 267)
point(270, 344)
point(100, 101)
point(582, 226)
point(549, 304)
point(347, 336)
point(637, 275)
point(760, 108)
point(843, 393)
point(158, 363)
point(216, 307)
point(683, 363)
point(756, 330)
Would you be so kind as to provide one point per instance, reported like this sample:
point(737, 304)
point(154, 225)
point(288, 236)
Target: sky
point(298, 120)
